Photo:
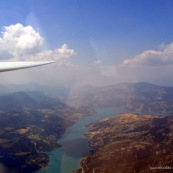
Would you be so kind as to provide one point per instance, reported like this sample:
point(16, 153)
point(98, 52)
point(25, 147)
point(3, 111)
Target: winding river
point(67, 158)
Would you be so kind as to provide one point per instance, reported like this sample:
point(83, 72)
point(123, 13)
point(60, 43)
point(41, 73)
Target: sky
point(94, 42)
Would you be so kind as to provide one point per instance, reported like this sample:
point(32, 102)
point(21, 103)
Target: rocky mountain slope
point(135, 97)
point(130, 143)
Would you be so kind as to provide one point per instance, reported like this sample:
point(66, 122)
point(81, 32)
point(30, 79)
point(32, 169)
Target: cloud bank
point(152, 57)
point(154, 66)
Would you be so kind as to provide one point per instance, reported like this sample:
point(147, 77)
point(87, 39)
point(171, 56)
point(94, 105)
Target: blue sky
point(123, 27)
point(108, 33)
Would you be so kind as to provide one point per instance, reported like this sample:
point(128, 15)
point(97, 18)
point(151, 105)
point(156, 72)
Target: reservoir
point(67, 158)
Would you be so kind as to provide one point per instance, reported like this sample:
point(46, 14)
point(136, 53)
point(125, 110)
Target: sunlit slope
point(129, 143)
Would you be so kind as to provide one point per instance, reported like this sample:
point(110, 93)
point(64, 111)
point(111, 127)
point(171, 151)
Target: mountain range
point(136, 97)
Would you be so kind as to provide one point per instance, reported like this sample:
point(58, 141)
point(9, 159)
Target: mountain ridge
point(137, 97)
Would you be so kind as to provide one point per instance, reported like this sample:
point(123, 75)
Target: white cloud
point(58, 54)
point(23, 43)
point(18, 41)
point(152, 57)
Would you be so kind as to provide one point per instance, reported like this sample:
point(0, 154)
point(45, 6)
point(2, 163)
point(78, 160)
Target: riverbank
point(129, 143)
point(73, 145)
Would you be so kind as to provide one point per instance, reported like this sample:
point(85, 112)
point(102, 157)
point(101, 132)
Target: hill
point(134, 97)
point(30, 124)
point(130, 143)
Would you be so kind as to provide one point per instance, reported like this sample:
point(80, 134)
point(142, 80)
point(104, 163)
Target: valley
point(30, 124)
point(138, 138)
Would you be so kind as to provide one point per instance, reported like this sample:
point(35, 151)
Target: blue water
point(67, 158)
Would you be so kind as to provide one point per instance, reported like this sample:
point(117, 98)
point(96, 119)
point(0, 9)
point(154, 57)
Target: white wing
point(8, 66)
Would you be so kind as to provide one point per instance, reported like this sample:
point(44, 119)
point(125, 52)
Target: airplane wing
point(8, 66)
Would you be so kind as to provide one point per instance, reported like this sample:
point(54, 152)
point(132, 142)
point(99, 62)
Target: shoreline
point(51, 153)
point(73, 139)
point(136, 141)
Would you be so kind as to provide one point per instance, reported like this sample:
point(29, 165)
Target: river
point(67, 158)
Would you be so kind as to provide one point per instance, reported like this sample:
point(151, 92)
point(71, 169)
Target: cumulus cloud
point(18, 41)
point(152, 57)
point(24, 43)
point(60, 55)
